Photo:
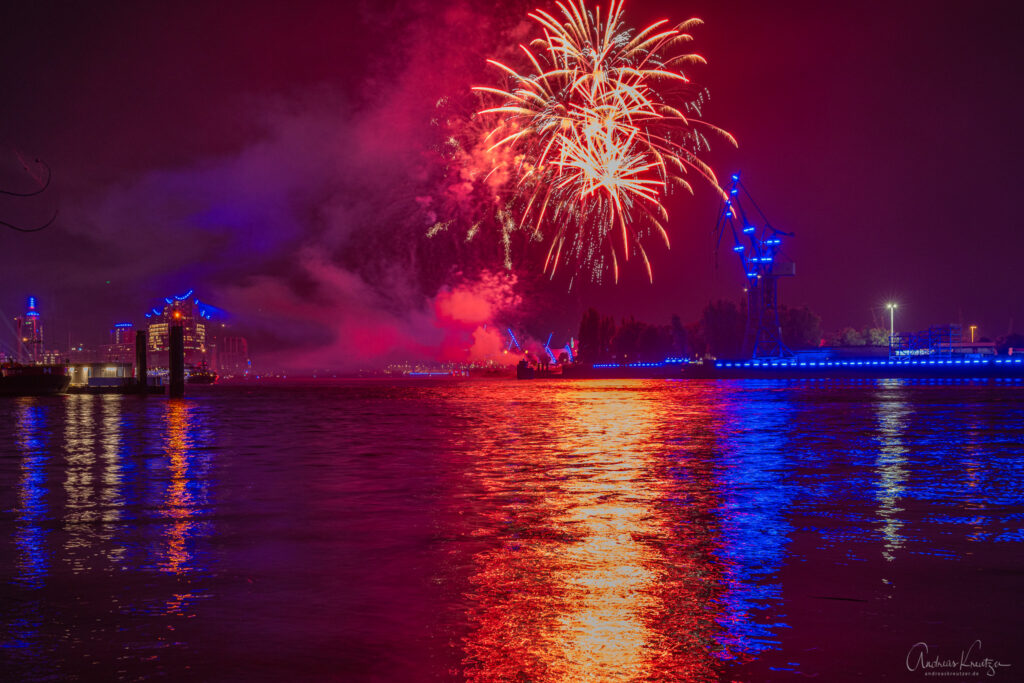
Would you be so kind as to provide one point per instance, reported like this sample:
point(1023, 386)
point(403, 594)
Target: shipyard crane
point(757, 244)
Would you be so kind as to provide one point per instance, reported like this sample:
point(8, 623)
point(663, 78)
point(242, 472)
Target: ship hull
point(33, 384)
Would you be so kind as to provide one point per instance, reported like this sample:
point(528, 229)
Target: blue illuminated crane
point(512, 340)
point(547, 349)
point(757, 244)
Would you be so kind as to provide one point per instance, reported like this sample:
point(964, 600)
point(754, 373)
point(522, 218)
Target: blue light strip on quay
point(872, 363)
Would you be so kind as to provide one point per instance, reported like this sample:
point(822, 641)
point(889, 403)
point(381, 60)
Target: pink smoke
point(469, 313)
point(345, 324)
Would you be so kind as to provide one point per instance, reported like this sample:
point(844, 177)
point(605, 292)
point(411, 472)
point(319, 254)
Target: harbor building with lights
point(29, 330)
point(187, 312)
point(121, 348)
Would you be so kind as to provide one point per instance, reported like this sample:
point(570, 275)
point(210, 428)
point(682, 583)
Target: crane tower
point(758, 245)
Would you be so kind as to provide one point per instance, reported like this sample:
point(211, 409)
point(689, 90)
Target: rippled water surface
point(512, 531)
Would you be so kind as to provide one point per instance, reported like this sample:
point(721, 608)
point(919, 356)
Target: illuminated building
point(101, 374)
point(80, 353)
point(122, 333)
point(121, 348)
point(52, 357)
point(30, 334)
point(187, 312)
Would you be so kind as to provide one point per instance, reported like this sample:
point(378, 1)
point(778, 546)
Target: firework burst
point(601, 126)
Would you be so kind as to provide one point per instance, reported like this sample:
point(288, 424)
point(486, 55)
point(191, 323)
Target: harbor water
point(495, 530)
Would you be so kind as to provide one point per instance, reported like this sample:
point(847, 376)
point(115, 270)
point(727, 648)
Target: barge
point(33, 380)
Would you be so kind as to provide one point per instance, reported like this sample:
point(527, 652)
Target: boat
point(33, 380)
point(524, 370)
point(202, 374)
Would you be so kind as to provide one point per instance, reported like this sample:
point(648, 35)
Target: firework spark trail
point(601, 127)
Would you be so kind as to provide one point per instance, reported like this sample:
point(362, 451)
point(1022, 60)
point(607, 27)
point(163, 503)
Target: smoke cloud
point(348, 232)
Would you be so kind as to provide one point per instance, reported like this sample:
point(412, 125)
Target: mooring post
point(140, 362)
point(177, 362)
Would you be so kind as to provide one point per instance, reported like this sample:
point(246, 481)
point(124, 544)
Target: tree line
point(718, 332)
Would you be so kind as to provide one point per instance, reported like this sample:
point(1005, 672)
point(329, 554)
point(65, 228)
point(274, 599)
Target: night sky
point(280, 161)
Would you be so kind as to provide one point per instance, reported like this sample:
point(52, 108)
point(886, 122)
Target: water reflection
point(566, 590)
point(506, 531)
point(975, 501)
point(111, 501)
point(30, 537)
point(80, 457)
point(32, 565)
point(609, 572)
point(90, 514)
point(642, 546)
point(179, 502)
point(185, 498)
point(891, 462)
point(94, 472)
point(750, 457)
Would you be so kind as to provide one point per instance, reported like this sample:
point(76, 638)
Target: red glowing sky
point(218, 145)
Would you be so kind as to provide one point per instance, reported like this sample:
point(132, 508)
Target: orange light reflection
point(585, 577)
point(179, 506)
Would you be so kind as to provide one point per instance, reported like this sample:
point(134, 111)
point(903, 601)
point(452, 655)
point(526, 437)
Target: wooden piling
point(140, 362)
point(177, 362)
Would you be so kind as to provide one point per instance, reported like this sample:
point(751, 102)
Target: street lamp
point(973, 328)
point(892, 327)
